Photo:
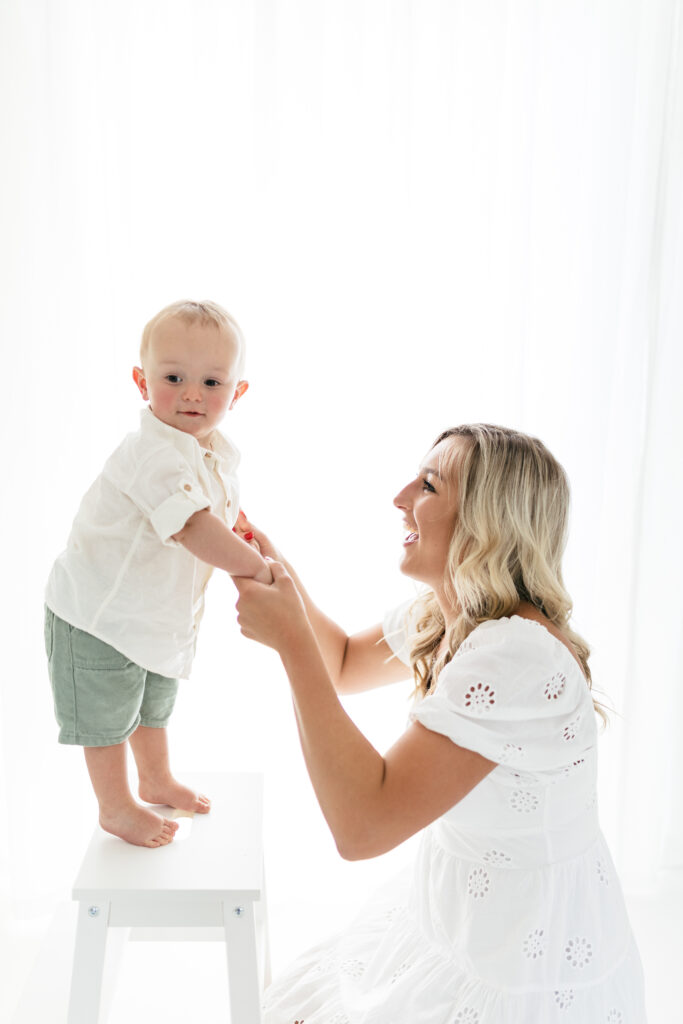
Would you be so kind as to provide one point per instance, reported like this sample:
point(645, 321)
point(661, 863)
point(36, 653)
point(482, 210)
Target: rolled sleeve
point(170, 517)
point(166, 489)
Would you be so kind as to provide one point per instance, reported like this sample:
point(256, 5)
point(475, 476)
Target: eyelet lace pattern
point(564, 998)
point(578, 952)
point(523, 801)
point(496, 858)
point(571, 730)
point(555, 686)
point(534, 944)
point(478, 883)
point(480, 698)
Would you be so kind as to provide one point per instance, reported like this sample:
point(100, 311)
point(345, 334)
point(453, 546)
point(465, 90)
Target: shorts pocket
point(107, 690)
point(90, 653)
point(107, 700)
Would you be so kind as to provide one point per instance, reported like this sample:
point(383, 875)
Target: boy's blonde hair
point(507, 545)
point(205, 312)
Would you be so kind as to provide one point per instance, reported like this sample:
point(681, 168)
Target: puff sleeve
point(515, 694)
point(397, 626)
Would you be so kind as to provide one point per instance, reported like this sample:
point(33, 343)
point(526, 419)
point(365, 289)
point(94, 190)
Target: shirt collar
point(221, 446)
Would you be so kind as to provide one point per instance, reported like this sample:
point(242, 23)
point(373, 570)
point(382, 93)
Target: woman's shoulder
point(513, 629)
point(512, 646)
point(519, 646)
point(514, 693)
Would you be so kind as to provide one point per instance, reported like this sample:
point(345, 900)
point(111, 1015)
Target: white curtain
point(422, 214)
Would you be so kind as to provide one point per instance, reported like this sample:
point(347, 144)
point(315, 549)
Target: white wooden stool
point(209, 880)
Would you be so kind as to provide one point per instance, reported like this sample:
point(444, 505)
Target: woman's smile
point(429, 506)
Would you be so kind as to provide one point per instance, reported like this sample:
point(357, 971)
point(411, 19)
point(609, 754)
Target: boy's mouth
point(183, 413)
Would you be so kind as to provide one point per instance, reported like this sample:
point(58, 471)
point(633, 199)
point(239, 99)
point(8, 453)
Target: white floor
point(186, 981)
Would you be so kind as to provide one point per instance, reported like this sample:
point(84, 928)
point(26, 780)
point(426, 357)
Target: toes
point(170, 825)
point(163, 839)
point(203, 804)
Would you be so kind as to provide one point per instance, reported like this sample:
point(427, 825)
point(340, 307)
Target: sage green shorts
point(100, 696)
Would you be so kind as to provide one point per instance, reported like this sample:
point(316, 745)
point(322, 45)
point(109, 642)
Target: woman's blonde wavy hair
point(507, 545)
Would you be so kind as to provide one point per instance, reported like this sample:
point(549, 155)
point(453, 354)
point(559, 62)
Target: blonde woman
point(513, 914)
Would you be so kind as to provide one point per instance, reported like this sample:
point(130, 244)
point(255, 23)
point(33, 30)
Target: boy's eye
point(212, 383)
point(172, 378)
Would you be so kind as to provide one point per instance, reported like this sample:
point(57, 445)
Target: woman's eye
point(426, 486)
point(172, 378)
point(212, 383)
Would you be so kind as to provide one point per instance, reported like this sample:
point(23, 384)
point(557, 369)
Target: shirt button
point(188, 487)
point(207, 455)
point(227, 504)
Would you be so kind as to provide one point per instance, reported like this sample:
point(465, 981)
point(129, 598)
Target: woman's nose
point(402, 499)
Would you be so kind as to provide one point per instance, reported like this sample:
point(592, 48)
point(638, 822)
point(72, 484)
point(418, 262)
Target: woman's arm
point(371, 803)
point(368, 662)
point(354, 663)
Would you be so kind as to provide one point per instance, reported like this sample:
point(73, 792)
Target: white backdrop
point(421, 215)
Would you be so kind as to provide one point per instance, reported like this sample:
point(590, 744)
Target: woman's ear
point(242, 386)
point(140, 380)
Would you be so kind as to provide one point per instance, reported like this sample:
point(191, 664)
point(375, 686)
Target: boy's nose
point(192, 393)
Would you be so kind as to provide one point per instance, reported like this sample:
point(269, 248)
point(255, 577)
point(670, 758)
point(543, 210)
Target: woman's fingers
point(278, 570)
point(273, 613)
point(252, 535)
point(242, 524)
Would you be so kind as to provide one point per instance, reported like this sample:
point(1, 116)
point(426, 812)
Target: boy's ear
point(139, 378)
point(242, 386)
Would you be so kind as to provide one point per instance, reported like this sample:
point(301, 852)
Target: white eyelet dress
point(512, 913)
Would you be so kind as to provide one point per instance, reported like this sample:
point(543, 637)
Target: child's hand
point(274, 615)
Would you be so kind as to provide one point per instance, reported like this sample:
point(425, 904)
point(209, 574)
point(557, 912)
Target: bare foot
point(139, 826)
point(174, 794)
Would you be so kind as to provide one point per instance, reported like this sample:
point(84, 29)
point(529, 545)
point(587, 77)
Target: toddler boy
point(124, 600)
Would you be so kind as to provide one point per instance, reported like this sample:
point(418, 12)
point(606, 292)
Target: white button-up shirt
point(122, 578)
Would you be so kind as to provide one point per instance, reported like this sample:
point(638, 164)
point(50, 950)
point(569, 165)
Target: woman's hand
point(244, 530)
point(273, 615)
point(252, 535)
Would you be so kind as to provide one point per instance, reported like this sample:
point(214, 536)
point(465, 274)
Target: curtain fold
point(639, 607)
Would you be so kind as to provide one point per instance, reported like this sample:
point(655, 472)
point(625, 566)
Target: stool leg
point(88, 967)
point(263, 943)
point(243, 972)
point(262, 936)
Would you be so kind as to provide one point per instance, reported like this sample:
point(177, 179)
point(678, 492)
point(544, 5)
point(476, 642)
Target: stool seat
point(209, 878)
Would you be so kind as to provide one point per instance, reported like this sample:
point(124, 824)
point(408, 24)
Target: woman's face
point(429, 506)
